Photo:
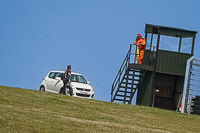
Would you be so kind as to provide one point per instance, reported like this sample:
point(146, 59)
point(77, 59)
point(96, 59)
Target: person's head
point(69, 67)
point(138, 36)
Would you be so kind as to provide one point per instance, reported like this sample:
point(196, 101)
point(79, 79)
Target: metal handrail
point(127, 58)
point(124, 66)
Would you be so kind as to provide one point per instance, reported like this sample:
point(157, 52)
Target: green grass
point(23, 110)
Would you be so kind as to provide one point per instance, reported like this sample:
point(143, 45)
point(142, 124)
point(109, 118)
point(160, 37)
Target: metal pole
point(185, 88)
point(146, 36)
point(129, 56)
point(151, 41)
point(152, 57)
point(179, 48)
point(135, 54)
point(154, 73)
point(192, 49)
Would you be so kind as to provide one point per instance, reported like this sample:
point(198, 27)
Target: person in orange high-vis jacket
point(141, 43)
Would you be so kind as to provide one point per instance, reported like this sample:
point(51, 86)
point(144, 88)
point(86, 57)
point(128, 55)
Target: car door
point(50, 80)
point(57, 84)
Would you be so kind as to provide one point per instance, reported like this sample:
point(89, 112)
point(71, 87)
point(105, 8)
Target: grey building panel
point(144, 95)
point(179, 89)
point(180, 83)
point(164, 80)
point(173, 63)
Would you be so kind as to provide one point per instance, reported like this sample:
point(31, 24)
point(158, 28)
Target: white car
point(81, 88)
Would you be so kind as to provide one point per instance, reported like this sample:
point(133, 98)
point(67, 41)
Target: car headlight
point(73, 87)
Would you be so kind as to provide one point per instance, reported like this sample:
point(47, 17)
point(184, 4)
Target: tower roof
point(169, 31)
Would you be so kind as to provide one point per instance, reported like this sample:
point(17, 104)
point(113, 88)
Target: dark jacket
point(67, 76)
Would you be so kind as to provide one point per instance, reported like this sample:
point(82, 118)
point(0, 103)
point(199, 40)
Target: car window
point(52, 75)
point(58, 75)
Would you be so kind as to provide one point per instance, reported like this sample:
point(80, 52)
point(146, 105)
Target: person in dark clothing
point(67, 81)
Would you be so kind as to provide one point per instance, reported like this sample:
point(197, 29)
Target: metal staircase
point(129, 78)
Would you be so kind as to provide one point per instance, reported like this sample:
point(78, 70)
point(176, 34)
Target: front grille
point(82, 89)
point(82, 95)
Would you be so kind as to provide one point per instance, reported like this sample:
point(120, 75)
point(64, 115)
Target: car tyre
point(42, 88)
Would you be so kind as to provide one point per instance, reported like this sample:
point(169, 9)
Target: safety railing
point(131, 58)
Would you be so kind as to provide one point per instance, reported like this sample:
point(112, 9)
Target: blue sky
point(37, 36)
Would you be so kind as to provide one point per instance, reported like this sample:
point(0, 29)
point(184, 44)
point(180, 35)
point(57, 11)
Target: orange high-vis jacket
point(141, 42)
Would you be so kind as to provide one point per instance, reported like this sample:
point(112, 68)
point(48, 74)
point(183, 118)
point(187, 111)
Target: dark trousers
point(63, 89)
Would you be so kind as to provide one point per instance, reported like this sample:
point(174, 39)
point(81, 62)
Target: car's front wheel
point(42, 88)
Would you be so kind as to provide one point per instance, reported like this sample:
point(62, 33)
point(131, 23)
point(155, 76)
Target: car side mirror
point(88, 82)
point(58, 78)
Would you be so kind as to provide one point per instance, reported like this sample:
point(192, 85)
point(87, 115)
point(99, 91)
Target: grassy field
point(23, 110)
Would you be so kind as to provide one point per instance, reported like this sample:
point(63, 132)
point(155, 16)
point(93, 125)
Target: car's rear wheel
point(42, 88)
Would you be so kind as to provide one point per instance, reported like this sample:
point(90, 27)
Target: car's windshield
point(78, 78)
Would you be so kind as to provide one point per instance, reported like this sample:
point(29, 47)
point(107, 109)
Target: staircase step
point(139, 75)
point(141, 67)
point(136, 70)
point(123, 96)
point(123, 91)
point(120, 91)
point(127, 87)
point(128, 78)
point(128, 83)
point(130, 74)
point(121, 100)
point(131, 79)
point(139, 71)
point(134, 79)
